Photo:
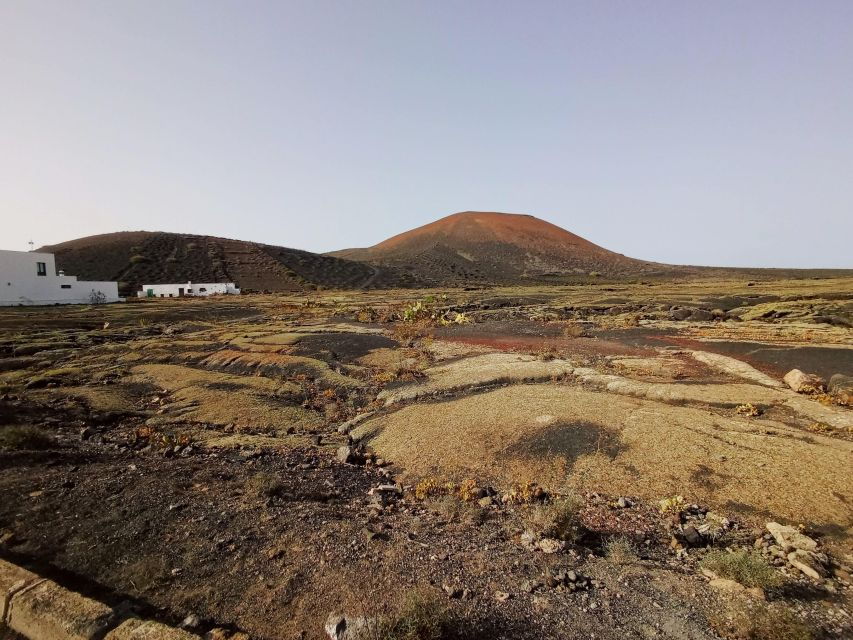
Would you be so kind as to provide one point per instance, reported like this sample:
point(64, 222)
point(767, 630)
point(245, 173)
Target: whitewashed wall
point(20, 283)
point(194, 289)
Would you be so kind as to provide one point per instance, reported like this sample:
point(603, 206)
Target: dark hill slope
point(148, 257)
point(495, 247)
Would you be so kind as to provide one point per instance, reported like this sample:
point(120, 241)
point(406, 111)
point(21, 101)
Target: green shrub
point(748, 568)
point(25, 437)
point(138, 259)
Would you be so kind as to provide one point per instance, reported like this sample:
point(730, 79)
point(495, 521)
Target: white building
point(30, 278)
point(187, 289)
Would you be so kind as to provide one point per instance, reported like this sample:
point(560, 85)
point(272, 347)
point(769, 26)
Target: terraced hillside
point(134, 258)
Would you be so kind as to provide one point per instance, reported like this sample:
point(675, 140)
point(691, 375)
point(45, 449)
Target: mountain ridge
point(134, 258)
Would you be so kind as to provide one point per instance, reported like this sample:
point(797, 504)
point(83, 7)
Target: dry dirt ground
point(474, 464)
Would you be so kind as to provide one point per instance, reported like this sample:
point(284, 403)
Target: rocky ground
point(589, 462)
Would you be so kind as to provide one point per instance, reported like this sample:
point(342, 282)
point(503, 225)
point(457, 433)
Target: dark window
point(65, 286)
point(202, 289)
point(41, 268)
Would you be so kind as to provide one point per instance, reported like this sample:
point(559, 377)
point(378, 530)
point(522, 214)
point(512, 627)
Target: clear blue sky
point(686, 132)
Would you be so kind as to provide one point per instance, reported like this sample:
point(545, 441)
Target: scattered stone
point(678, 313)
point(192, 621)
point(807, 564)
point(502, 596)
point(452, 590)
point(528, 540)
point(390, 488)
point(344, 454)
point(624, 503)
point(488, 501)
point(701, 315)
point(803, 382)
point(529, 586)
point(789, 538)
point(340, 627)
point(736, 588)
point(692, 537)
point(550, 545)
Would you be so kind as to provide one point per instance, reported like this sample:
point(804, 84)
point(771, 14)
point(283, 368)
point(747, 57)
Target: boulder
point(803, 382)
point(790, 538)
point(135, 629)
point(680, 313)
point(341, 627)
point(841, 387)
point(46, 610)
point(701, 315)
point(344, 454)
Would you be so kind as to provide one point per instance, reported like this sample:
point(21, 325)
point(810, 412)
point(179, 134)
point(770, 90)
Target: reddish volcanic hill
point(494, 247)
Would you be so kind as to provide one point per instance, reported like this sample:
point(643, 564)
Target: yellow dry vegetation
point(566, 437)
point(100, 398)
point(278, 365)
point(250, 403)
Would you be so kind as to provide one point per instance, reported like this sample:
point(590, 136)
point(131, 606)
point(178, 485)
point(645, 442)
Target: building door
point(151, 293)
point(180, 292)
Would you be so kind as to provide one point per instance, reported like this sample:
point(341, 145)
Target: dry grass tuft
point(264, 485)
point(558, 519)
point(575, 331)
point(421, 616)
point(619, 550)
point(25, 437)
point(746, 567)
point(753, 620)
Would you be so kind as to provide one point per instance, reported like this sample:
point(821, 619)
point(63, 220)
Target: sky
point(687, 132)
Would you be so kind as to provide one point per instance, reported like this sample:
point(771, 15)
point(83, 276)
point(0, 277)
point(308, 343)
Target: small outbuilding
point(30, 278)
point(188, 289)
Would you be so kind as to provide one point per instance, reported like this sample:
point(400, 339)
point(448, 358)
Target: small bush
point(758, 621)
point(420, 617)
point(620, 550)
point(264, 485)
point(746, 567)
point(25, 437)
point(138, 259)
point(558, 519)
point(749, 410)
point(575, 331)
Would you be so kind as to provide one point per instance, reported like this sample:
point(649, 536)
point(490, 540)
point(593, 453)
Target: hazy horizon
point(680, 133)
